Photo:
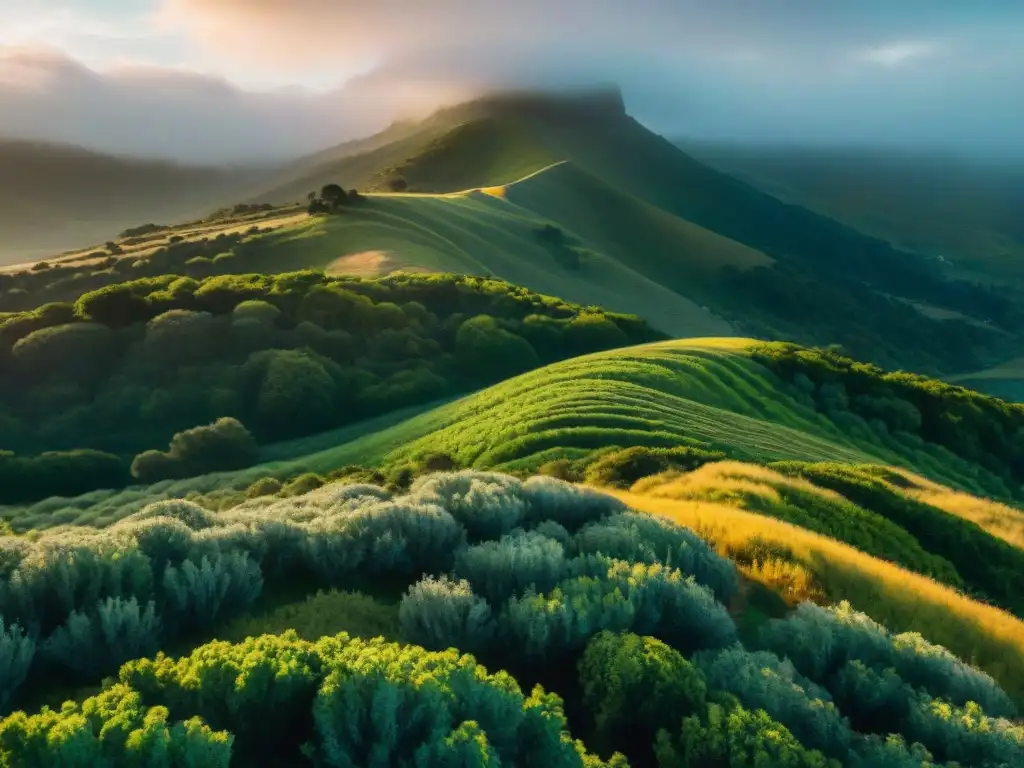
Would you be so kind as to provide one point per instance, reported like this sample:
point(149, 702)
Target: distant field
point(698, 391)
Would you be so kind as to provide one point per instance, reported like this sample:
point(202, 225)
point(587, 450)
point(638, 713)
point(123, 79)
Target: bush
point(224, 445)
point(634, 686)
point(760, 680)
point(487, 504)
point(197, 596)
point(16, 654)
point(111, 728)
point(96, 644)
point(637, 537)
point(499, 569)
point(737, 738)
point(441, 613)
point(620, 469)
point(487, 352)
point(819, 641)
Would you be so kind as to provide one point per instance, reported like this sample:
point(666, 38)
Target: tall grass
point(987, 637)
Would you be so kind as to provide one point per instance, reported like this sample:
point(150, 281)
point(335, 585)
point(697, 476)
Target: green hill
point(728, 395)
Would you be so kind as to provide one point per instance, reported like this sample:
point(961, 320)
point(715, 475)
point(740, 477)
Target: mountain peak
point(599, 102)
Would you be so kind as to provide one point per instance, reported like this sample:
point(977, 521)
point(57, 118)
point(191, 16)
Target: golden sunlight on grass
point(990, 638)
point(998, 519)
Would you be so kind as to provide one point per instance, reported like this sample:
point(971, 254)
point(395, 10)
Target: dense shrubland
point(622, 614)
point(862, 398)
point(134, 366)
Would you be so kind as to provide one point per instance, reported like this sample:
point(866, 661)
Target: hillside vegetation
point(147, 363)
point(633, 625)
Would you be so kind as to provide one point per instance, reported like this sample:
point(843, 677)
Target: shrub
point(760, 680)
point(620, 469)
point(633, 686)
point(111, 728)
point(637, 537)
point(568, 505)
point(442, 613)
point(226, 444)
point(499, 569)
point(198, 596)
point(265, 486)
point(93, 645)
point(487, 504)
point(16, 654)
point(821, 640)
point(737, 738)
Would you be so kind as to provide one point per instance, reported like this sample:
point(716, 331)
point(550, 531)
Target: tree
point(333, 196)
point(488, 352)
point(398, 184)
point(225, 444)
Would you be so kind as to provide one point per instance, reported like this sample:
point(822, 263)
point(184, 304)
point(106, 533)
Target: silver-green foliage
point(98, 642)
point(486, 504)
point(499, 569)
point(16, 654)
point(568, 505)
point(760, 680)
point(444, 613)
point(637, 537)
point(646, 599)
point(198, 595)
point(819, 641)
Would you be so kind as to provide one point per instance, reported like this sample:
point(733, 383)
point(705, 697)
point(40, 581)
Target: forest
point(191, 376)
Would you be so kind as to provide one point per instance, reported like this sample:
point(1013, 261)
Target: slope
point(964, 212)
point(478, 233)
point(55, 197)
point(701, 392)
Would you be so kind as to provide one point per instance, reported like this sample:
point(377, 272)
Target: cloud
point(152, 111)
point(799, 70)
point(898, 53)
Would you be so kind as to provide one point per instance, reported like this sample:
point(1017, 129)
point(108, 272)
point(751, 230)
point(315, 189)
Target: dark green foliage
point(484, 349)
point(131, 364)
point(734, 737)
point(622, 468)
point(821, 641)
point(974, 426)
point(519, 561)
point(760, 680)
point(16, 654)
point(634, 686)
point(95, 644)
point(58, 473)
point(986, 564)
point(225, 444)
point(349, 702)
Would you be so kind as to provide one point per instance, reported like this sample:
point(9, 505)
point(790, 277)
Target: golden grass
point(1001, 520)
point(987, 637)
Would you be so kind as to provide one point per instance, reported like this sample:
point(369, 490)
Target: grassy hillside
point(709, 394)
point(55, 198)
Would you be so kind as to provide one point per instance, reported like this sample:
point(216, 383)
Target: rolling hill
point(55, 198)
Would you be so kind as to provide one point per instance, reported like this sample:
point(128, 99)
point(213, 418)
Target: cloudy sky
point(233, 80)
